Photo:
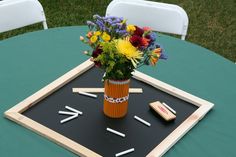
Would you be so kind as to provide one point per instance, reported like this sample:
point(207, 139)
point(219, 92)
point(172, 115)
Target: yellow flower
point(93, 39)
point(130, 28)
point(106, 37)
point(129, 51)
point(97, 33)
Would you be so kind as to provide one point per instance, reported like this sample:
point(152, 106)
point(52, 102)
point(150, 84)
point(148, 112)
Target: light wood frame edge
point(14, 113)
point(183, 128)
point(52, 87)
point(51, 135)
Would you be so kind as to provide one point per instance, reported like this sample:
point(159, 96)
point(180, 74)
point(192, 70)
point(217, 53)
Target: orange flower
point(89, 34)
point(155, 56)
point(145, 42)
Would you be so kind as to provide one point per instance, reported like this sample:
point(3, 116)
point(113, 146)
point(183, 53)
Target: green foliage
point(116, 66)
point(109, 47)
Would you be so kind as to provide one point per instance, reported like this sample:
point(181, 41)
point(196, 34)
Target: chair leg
point(45, 26)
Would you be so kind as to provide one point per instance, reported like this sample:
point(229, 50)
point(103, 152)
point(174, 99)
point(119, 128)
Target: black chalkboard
point(89, 129)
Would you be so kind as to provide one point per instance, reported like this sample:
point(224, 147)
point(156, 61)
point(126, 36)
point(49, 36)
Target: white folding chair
point(162, 17)
point(20, 13)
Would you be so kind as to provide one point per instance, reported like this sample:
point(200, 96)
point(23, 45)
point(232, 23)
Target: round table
point(30, 61)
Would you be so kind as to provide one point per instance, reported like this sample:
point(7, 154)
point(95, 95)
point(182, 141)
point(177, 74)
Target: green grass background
point(212, 23)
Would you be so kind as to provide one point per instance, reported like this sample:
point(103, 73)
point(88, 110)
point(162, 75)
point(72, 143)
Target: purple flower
point(117, 21)
point(109, 21)
point(90, 23)
point(113, 24)
point(108, 17)
point(152, 46)
point(163, 55)
point(120, 26)
point(153, 36)
point(121, 32)
point(113, 19)
point(120, 18)
point(108, 30)
point(97, 17)
point(100, 24)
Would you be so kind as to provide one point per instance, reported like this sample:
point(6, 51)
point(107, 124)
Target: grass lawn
point(212, 23)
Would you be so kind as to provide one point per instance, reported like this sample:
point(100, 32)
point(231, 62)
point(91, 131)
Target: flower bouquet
point(119, 48)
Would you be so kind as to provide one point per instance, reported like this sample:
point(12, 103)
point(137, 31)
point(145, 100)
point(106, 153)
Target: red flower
point(95, 54)
point(138, 31)
point(147, 28)
point(138, 41)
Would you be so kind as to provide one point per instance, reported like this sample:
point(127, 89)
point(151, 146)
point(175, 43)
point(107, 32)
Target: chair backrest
point(160, 17)
point(20, 13)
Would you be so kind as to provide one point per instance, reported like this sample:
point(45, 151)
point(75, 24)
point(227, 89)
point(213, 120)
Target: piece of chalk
point(116, 132)
point(69, 118)
point(142, 121)
point(101, 90)
point(125, 152)
point(74, 110)
point(169, 108)
point(88, 94)
point(103, 76)
point(67, 113)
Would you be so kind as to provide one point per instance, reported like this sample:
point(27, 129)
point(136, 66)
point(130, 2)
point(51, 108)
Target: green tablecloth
point(29, 62)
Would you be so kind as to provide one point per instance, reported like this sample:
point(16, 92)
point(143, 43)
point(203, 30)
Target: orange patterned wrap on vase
point(116, 98)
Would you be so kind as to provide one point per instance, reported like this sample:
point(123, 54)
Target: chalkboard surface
point(89, 129)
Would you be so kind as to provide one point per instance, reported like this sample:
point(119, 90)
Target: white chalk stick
point(69, 118)
point(67, 113)
point(142, 121)
point(103, 76)
point(116, 132)
point(101, 90)
point(88, 94)
point(169, 108)
point(74, 110)
point(125, 152)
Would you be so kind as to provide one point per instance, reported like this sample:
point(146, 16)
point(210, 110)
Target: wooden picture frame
point(15, 113)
